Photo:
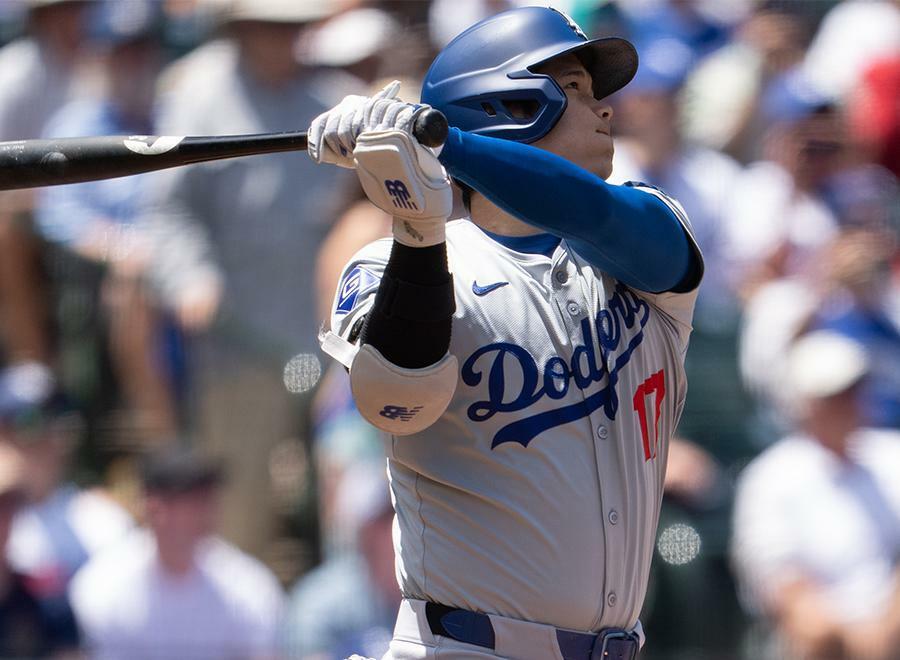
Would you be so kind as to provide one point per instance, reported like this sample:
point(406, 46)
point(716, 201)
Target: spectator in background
point(38, 73)
point(25, 629)
point(779, 218)
point(856, 306)
point(823, 295)
point(447, 18)
point(692, 23)
point(349, 603)
point(844, 284)
point(58, 526)
point(817, 518)
point(100, 252)
point(873, 112)
point(365, 42)
point(235, 248)
point(722, 95)
point(175, 590)
point(852, 36)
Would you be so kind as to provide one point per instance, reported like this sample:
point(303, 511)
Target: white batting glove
point(405, 179)
point(332, 135)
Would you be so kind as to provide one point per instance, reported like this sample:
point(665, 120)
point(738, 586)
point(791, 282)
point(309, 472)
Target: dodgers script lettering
point(595, 360)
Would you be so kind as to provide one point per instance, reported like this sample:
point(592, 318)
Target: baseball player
point(530, 395)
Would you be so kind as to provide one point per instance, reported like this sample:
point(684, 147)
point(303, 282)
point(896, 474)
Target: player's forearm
point(630, 234)
point(410, 319)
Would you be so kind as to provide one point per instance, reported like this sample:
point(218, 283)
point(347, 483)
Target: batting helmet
point(475, 78)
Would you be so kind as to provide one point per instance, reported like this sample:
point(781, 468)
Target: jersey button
point(611, 599)
point(573, 308)
point(613, 516)
point(602, 432)
point(562, 276)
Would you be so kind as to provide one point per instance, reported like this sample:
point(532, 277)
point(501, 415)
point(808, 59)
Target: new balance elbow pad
point(398, 400)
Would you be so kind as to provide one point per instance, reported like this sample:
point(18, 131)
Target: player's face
point(582, 135)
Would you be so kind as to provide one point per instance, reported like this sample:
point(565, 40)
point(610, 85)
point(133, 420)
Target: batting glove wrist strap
point(405, 179)
point(418, 234)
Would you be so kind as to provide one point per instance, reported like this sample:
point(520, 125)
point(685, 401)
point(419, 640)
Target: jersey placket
point(577, 298)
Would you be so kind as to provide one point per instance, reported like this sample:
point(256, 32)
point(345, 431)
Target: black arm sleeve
point(410, 320)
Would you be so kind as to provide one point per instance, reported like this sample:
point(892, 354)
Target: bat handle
point(430, 127)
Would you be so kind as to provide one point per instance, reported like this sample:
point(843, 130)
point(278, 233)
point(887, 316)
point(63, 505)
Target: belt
point(476, 628)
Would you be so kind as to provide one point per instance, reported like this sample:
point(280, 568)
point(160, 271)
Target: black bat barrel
point(31, 163)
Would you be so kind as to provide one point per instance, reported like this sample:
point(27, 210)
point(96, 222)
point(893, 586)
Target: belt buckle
point(615, 644)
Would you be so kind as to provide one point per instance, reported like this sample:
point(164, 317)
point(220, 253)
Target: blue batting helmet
point(492, 63)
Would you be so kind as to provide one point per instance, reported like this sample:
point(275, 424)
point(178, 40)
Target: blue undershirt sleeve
point(630, 234)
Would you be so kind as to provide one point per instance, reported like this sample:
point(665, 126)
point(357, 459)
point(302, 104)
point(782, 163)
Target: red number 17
point(656, 384)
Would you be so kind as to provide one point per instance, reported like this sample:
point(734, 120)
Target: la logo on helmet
point(572, 24)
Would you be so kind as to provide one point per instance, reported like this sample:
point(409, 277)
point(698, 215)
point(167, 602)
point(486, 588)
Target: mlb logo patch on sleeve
point(355, 283)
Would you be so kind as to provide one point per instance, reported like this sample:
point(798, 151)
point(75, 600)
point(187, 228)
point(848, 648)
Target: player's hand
point(332, 135)
point(405, 179)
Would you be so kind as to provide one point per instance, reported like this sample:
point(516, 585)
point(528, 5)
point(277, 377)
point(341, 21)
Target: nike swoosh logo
point(484, 290)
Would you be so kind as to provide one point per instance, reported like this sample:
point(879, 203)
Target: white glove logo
point(399, 194)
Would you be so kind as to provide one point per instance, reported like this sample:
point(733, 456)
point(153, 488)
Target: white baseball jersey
point(536, 495)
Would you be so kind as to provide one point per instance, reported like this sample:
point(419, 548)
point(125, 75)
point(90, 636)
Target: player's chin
point(602, 167)
point(601, 164)
point(605, 171)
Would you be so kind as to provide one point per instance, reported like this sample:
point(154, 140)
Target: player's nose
point(603, 110)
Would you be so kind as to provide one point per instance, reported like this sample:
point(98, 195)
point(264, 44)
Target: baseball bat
point(33, 163)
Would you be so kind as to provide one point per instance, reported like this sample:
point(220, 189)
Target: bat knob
point(430, 128)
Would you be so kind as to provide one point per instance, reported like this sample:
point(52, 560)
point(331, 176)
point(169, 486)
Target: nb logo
point(399, 194)
point(402, 413)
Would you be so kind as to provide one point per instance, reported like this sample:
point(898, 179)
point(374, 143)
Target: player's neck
point(497, 221)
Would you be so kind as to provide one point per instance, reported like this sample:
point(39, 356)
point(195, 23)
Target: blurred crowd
point(183, 474)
